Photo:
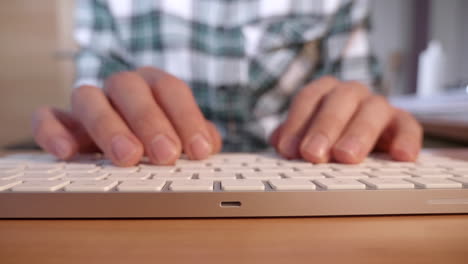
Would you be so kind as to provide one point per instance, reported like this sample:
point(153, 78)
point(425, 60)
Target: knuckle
point(328, 79)
point(81, 93)
point(115, 83)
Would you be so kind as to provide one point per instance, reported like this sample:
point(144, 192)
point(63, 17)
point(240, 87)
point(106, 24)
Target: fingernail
point(61, 147)
point(317, 147)
point(163, 149)
point(199, 147)
point(289, 146)
point(351, 147)
point(122, 148)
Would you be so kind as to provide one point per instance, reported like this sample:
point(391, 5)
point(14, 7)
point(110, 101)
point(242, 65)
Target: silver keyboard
point(42, 174)
point(225, 172)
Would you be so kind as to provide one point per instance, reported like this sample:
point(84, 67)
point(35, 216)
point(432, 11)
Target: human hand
point(343, 121)
point(146, 111)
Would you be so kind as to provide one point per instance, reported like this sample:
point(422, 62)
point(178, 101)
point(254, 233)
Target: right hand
point(143, 112)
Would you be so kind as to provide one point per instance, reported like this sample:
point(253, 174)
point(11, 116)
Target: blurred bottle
point(431, 70)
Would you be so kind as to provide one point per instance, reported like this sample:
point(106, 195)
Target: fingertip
point(199, 147)
point(404, 153)
point(125, 150)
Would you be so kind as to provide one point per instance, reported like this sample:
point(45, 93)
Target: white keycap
point(261, 175)
point(305, 175)
point(265, 165)
point(389, 170)
point(196, 170)
point(275, 170)
point(43, 167)
point(349, 175)
point(292, 185)
point(460, 173)
point(7, 184)
point(433, 174)
point(428, 170)
point(435, 183)
point(242, 185)
point(217, 175)
point(141, 185)
point(40, 186)
point(42, 176)
point(340, 184)
point(389, 174)
point(129, 176)
point(79, 166)
point(155, 168)
point(315, 170)
point(77, 176)
point(175, 175)
point(237, 170)
point(10, 175)
point(387, 183)
point(91, 186)
point(41, 170)
point(112, 168)
point(297, 164)
point(192, 185)
point(462, 180)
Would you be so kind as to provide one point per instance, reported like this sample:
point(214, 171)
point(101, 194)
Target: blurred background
point(422, 46)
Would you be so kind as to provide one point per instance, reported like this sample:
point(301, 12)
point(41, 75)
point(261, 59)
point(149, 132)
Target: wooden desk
point(389, 239)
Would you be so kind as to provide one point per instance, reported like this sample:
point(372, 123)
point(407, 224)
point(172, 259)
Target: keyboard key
point(141, 185)
point(91, 186)
point(173, 176)
point(7, 184)
point(40, 186)
point(129, 176)
point(292, 185)
point(387, 183)
point(434, 174)
point(42, 176)
point(389, 174)
point(9, 175)
point(242, 185)
point(77, 176)
point(112, 168)
point(462, 180)
point(349, 175)
point(340, 184)
point(306, 175)
point(192, 185)
point(217, 175)
point(275, 170)
point(435, 183)
point(261, 175)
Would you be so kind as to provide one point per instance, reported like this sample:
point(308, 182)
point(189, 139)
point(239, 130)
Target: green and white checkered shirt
point(243, 59)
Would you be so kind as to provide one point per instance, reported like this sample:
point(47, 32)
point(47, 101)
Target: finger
point(363, 131)
point(132, 97)
point(215, 136)
point(59, 133)
point(407, 135)
point(104, 125)
point(300, 113)
point(337, 109)
point(274, 137)
point(177, 101)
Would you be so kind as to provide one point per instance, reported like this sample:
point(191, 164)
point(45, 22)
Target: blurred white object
point(431, 69)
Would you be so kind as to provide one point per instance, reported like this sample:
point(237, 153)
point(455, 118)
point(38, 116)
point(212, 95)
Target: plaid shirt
point(243, 59)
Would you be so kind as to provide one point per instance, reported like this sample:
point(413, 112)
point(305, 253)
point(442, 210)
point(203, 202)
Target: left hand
point(343, 121)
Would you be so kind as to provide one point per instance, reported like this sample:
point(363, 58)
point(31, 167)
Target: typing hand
point(146, 111)
point(343, 121)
